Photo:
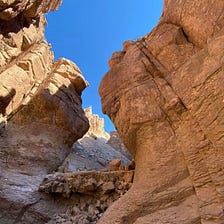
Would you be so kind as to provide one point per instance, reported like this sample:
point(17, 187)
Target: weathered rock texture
point(164, 94)
point(91, 154)
point(41, 102)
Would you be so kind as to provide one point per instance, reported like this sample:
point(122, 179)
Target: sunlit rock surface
point(164, 94)
point(40, 112)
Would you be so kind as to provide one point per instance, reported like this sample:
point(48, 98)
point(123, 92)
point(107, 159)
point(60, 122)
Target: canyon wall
point(96, 129)
point(40, 111)
point(116, 142)
point(164, 93)
point(41, 117)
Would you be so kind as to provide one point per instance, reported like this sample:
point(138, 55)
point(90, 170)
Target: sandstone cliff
point(40, 111)
point(164, 93)
point(96, 129)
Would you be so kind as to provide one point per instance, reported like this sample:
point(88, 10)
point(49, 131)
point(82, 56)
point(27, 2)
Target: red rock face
point(164, 95)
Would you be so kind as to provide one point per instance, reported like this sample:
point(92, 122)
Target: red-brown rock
point(164, 95)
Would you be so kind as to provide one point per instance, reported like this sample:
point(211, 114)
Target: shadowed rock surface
point(92, 151)
point(91, 193)
point(41, 114)
point(116, 142)
point(168, 110)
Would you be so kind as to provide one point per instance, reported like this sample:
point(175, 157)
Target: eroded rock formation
point(164, 94)
point(40, 111)
point(96, 129)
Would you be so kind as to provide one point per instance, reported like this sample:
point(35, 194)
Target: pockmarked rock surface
point(40, 112)
point(164, 93)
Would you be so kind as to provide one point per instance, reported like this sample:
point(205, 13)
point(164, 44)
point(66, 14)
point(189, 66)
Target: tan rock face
point(40, 110)
point(164, 95)
point(29, 9)
point(96, 129)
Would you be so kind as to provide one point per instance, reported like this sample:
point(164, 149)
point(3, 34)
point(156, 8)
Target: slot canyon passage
point(164, 94)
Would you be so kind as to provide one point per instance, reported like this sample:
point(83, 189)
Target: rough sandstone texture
point(40, 111)
point(40, 119)
point(164, 94)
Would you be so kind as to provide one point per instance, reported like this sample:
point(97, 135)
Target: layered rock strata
point(40, 111)
point(168, 110)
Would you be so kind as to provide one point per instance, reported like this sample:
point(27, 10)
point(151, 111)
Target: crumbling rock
point(87, 183)
point(168, 110)
point(116, 142)
point(96, 192)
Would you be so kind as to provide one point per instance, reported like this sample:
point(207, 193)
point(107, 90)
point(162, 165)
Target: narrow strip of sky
point(88, 32)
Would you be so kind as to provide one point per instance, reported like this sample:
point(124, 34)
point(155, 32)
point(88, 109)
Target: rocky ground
point(91, 192)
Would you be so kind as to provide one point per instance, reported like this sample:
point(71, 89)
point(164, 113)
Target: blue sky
point(89, 31)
